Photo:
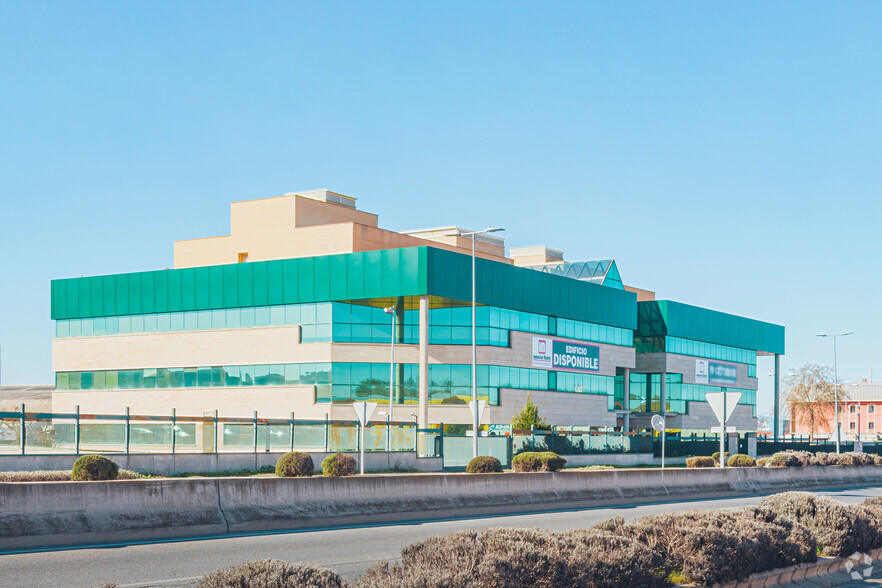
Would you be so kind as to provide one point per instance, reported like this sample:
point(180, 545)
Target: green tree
point(529, 416)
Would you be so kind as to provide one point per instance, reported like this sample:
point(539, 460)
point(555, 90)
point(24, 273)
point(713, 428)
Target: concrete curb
point(38, 515)
point(826, 572)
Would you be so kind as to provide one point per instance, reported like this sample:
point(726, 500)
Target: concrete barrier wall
point(36, 515)
point(183, 463)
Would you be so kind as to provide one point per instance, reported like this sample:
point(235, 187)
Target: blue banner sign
point(715, 372)
point(565, 355)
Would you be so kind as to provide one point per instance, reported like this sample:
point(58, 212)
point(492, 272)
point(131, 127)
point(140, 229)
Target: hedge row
point(787, 459)
point(697, 546)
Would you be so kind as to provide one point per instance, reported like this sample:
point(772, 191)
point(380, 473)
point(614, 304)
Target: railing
point(34, 433)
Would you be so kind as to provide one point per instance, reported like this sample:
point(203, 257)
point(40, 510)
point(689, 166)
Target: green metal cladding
point(661, 318)
point(412, 271)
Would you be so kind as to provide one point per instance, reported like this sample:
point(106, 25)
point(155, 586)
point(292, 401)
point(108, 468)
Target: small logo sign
point(541, 352)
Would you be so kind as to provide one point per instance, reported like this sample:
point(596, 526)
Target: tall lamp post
point(473, 235)
point(836, 384)
point(391, 310)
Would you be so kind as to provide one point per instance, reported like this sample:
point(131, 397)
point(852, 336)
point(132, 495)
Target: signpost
point(723, 404)
point(658, 423)
point(363, 410)
point(479, 414)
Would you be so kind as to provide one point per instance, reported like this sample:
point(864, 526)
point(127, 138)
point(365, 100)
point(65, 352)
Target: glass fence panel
point(10, 436)
point(343, 437)
point(106, 437)
point(237, 436)
point(309, 436)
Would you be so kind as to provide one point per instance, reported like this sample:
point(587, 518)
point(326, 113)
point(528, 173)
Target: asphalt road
point(348, 551)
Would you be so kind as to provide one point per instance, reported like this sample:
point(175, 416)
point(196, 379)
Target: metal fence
point(33, 433)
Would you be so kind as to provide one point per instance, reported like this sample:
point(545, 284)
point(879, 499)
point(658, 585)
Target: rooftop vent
point(328, 196)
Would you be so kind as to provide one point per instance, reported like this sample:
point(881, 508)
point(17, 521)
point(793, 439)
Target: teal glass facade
point(645, 394)
point(345, 382)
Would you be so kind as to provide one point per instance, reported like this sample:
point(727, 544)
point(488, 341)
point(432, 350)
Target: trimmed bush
point(527, 461)
point(739, 460)
point(763, 462)
point(599, 467)
point(551, 462)
point(521, 558)
point(853, 459)
point(484, 464)
point(701, 461)
point(91, 468)
point(877, 459)
point(532, 461)
point(295, 464)
point(723, 545)
point(272, 573)
point(785, 459)
point(338, 465)
point(716, 456)
point(840, 529)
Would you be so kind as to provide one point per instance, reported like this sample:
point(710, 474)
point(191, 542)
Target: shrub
point(826, 459)
point(93, 468)
point(551, 462)
point(337, 465)
point(521, 558)
point(840, 529)
point(527, 461)
point(716, 456)
point(785, 459)
point(484, 464)
point(294, 464)
point(599, 467)
point(853, 459)
point(700, 461)
point(723, 545)
point(877, 459)
point(763, 462)
point(739, 460)
point(271, 573)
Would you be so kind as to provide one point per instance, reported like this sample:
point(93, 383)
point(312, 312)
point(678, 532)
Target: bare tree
point(809, 394)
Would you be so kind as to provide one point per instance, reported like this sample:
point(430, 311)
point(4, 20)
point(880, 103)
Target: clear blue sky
point(725, 156)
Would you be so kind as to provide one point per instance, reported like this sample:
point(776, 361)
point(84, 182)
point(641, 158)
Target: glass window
point(62, 328)
point(190, 380)
point(247, 317)
point(292, 314)
point(138, 323)
point(218, 319)
point(261, 316)
point(203, 319)
point(190, 322)
point(203, 377)
point(231, 375)
point(86, 328)
point(176, 320)
point(62, 381)
point(111, 380)
point(150, 323)
point(176, 377)
point(232, 319)
point(163, 323)
point(246, 375)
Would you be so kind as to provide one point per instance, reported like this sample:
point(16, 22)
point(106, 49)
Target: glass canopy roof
point(603, 272)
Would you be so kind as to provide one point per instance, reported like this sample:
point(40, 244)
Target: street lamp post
point(391, 310)
point(836, 384)
point(473, 235)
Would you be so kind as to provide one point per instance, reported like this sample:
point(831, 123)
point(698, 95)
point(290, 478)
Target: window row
point(314, 319)
point(346, 382)
point(710, 351)
point(290, 374)
point(353, 323)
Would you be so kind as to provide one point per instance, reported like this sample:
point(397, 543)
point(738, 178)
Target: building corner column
point(423, 416)
point(776, 419)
